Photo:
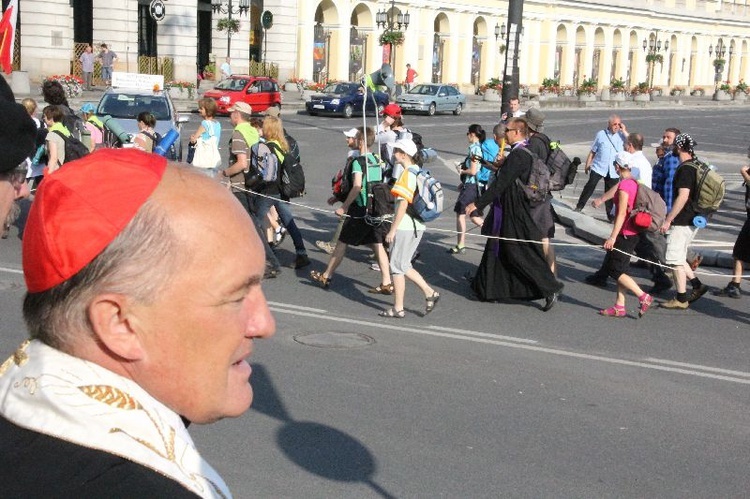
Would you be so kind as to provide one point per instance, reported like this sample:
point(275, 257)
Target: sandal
point(613, 312)
point(318, 276)
point(431, 302)
point(382, 289)
point(455, 250)
point(645, 304)
point(392, 313)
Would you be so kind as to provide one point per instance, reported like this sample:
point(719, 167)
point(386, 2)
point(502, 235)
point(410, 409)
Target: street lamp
point(384, 19)
point(721, 51)
point(499, 31)
point(219, 7)
point(654, 46)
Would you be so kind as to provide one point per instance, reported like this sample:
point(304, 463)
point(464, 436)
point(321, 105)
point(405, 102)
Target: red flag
point(8, 36)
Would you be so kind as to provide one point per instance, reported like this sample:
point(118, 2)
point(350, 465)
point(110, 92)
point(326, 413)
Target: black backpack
point(537, 187)
point(291, 176)
point(74, 148)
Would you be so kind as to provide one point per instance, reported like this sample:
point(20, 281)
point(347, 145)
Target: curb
point(596, 232)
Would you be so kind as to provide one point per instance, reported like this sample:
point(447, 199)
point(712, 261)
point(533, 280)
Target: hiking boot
point(325, 246)
point(697, 293)
point(732, 291)
point(301, 261)
point(596, 280)
point(660, 285)
point(675, 304)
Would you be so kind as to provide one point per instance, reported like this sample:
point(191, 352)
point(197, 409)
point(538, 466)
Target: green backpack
point(709, 187)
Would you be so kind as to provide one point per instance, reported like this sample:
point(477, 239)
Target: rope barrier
point(468, 233)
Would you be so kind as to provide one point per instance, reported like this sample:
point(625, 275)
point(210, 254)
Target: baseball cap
point(351, 133)
point(88, 108)
point(273, 111)
point(70, 223)
point(406, 145)
point(242, 107)
point(623, 159)
point(393, 110)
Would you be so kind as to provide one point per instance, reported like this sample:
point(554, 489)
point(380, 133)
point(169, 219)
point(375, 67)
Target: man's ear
point(114, 325)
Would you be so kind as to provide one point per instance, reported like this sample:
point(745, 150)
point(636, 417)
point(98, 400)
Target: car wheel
point(431, 109)
point(458, 109)
point(348, 111)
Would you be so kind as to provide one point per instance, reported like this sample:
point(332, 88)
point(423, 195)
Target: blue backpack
point(428, 200)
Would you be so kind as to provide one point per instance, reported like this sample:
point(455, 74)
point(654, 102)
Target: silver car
point(432, 98)
point(125, 105)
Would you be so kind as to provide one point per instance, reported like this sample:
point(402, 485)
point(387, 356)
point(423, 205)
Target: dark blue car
point(345, 99)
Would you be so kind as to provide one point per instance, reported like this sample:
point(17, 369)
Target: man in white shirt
point(640, 166)
point(226, 68)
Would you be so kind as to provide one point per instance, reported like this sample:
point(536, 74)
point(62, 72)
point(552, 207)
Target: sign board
point(157, 10)
point(137, 81)
point(266, 19)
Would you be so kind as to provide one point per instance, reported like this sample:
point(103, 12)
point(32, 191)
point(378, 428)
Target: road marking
point(653, 364)
point(12, 271)
point(483, 335)
point(297, 307)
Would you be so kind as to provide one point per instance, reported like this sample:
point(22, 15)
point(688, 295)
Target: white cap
point(623, 159)
point(406, 145)
point(351, 133)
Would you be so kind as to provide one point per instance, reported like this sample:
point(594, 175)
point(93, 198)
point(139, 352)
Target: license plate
point(319, 106)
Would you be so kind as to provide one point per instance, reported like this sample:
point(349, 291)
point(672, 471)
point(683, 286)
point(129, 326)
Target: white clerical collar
point(47, 391)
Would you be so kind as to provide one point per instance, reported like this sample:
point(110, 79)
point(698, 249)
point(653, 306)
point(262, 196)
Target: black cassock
point(512, 270)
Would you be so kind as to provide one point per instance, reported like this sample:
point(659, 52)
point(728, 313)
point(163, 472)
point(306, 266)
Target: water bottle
point(166, 142)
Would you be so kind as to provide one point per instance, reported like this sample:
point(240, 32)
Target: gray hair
point(138, 263)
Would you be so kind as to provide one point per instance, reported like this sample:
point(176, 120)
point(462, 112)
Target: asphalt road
point(478, 399)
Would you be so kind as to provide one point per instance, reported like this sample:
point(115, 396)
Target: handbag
point(207, 152)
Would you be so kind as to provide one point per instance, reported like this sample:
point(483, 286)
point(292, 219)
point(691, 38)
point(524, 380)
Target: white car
point(432, 98)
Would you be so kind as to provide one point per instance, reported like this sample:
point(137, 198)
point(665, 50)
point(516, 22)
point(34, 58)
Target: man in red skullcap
point(137, 328)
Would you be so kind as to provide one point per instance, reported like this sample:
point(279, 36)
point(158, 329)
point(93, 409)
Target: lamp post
point(320, 33)
point(721, 51)
point(384, 19)
point(653, 46)
point(513, 47)
point(226, 7)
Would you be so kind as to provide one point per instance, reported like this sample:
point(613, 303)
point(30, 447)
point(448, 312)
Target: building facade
point(444, 41)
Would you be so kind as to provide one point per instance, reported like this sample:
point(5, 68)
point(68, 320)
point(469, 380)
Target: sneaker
point(375, 267)
point(325, 246)
point(644, 304)
point(730, 291)
point(279, 235)
point(697, 293)
point(660, 286)
point(675, 304)
point(301, 261)
point(595, 280)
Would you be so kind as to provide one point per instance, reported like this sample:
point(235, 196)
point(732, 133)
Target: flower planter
point(675, 93)
point(545, 96)
point(740, 96)
point(178, 93)
point(568, 92)
point(722, 95)
point(491, 95)
point(641, 97)
point(655, 93)
point(617, 96)
point(698, 93)
point(290, 87)
point(587, 98)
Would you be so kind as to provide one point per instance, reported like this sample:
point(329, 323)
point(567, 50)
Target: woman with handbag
point(203, 150)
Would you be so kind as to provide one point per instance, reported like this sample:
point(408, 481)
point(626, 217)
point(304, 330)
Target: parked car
point(432, 98)
point(261, 92)
point(126, 104)
point(345, 98)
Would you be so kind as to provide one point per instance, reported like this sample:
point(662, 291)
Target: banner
point(8, 36)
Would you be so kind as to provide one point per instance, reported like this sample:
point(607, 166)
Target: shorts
point(678, 240)
point(403, 249)
point(619, 261)
point(467, 195)
point(357, 232)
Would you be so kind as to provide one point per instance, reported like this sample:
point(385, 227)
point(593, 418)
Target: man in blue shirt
point(600, 161)
point(665, 168)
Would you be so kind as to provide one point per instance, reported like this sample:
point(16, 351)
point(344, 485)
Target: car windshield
point(425, 90)
point(129, 106)
point(339, 88)
point(231, 84)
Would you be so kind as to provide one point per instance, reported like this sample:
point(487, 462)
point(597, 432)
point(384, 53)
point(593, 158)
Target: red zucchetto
point(81, 208)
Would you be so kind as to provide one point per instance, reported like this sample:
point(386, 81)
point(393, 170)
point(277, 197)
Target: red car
point(261, 92)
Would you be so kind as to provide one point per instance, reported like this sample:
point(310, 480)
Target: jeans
point(107, 73)
point(271, 259)
point(590, 186)
point(262, 207)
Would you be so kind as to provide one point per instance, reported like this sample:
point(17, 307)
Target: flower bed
point(180, 88)
point(72, 85)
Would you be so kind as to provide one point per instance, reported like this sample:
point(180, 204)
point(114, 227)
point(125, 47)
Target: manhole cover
point(334, 340)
